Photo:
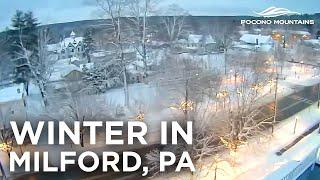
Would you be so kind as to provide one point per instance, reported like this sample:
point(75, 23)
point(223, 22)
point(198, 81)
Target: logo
point(274, 12)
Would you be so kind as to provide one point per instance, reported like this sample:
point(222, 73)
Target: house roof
point(262, 48)
point(301, 33)
point(252, 39)
point(312, 42)
point(209, 39)
point(62, 68)
point(12, 93)
point(206, 39)
point(193, 38)
point(71, 41)
point(86, 65)
point(53, 47)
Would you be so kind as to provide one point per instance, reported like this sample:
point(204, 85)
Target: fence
point(290, 172)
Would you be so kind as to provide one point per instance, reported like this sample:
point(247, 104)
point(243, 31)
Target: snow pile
point(12, 93)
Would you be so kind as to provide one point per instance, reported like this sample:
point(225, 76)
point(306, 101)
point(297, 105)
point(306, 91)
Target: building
point(255, 42)
point(72, 46)
point(136, 71)
point(198, 43)
point(12, 103)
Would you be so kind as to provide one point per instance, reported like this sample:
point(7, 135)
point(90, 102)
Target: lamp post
point(295, 125)
point(275, 104)
point(140, 116)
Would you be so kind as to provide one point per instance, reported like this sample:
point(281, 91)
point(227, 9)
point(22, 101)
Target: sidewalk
point(272, 166)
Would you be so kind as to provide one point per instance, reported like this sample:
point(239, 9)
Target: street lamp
point(184, 106)
point(256, 87)
point(222, 95)
point(4, 147)
point(140, 116)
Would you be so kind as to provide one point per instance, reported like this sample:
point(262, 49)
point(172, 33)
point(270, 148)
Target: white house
point(72, 46)
point(12, 103)
point(255, 43)
point(197, 42)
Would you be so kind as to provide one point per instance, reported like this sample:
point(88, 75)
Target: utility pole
point(225, 54)
point(319, 96)
point(275, 97)
point(275, 103)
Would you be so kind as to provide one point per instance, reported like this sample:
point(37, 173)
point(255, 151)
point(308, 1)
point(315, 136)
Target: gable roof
point(205, 39)
point(71, 41)
point(252, 39)
point(194, 38)
point(62, 68)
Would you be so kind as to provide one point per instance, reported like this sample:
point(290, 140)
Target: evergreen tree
point(318, 35)
point(24, 45)
point(88, 43)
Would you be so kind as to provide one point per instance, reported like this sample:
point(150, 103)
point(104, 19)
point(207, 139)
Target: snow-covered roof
point(243, 32)
point(138, 63)
point(12, 93)
point(257, 30)
point(263, 47)
point(73, 59)
point(87, 65)
point(72, 34)
point(301, 33)
point(193, 38)
point(182, 41)
point(253, 38)
point(209, 40)
point(71, 41)
point(99, 54)
point(312, 42)
point(62, 68)
point(206, 39)
point(53, 47)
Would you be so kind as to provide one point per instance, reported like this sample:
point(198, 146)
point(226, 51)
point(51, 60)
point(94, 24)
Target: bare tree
point(44, 68)
point(115, 10)
point(193, 88)
point(173, 19)
point(80, 107)
point(41, 69)
point(139, 11)
point(244, 114)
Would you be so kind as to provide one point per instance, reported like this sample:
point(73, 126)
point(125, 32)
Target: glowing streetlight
point(184, 106)
point(140, 116)
point(4, 147)
point(256, 87)
point(222, 95)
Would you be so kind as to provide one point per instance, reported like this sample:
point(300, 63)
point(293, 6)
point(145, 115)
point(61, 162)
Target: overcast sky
point(53, 11)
